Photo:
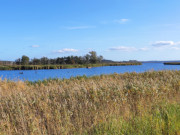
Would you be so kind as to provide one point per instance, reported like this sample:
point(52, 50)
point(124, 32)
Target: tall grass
point(130, 103)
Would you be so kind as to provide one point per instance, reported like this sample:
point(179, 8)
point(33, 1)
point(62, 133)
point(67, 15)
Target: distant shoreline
point(65, 66)
point(171, 63)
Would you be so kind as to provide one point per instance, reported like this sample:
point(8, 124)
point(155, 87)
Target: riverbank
point(130, 103)
point(66, 66)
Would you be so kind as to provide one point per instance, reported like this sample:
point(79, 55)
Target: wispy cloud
point(79, 27)
point(166, 45)
point(115, 21)
point(176, 48)
point(163, 43)
point(35, 46)
point(104, 22)
point(66, 50)
point(177, 43)
point(158, 45)
point(143, 49)
point(127, 49)
point(121, 21)
point(122, 48)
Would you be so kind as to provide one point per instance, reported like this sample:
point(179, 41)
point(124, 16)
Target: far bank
point(62, 66)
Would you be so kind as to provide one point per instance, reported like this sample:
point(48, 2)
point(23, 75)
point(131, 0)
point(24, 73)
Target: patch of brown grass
point(74, 105)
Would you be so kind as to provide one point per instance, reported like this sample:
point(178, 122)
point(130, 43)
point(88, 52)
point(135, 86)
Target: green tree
point(18, 61)
point(60, 60)
point(87, 58)
point(25, 60)
point(93, 57)
point(36, 61)
point(100, 58)
point(44, 61)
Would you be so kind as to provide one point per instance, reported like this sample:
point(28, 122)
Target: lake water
point(34, 75)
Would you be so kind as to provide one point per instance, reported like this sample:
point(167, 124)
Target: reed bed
point(129, 103)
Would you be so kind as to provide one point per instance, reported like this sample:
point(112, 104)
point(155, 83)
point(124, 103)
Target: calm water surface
point(33, 75)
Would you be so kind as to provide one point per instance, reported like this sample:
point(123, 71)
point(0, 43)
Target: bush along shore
point(119, 104)
point(65, 66)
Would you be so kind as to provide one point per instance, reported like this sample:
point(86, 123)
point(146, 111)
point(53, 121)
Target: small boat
point(89, 67)
point(20, 72)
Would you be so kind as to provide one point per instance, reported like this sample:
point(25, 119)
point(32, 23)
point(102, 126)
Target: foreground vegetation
point(65, 66)
point(131, 103)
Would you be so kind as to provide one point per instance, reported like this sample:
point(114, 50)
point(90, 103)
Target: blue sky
point(116, 29)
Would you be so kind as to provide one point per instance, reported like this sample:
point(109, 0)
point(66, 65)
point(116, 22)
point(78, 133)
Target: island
point(88, 61)
point(171, 63)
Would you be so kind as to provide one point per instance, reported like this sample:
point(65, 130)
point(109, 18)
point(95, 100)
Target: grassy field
point(67, 66)
point(128, 104)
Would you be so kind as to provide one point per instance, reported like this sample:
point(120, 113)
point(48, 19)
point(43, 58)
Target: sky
point(116, 29)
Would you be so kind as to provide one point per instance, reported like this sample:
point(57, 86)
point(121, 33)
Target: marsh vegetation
point(130, 103)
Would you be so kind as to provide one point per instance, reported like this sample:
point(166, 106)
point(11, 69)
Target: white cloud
point(177, 43)
point(66, 50)
point(35, 46)
point(163, 43)
point(128, 49)
point(159, 45)
point(144, 49)
point(123, 48)
point(79, 27)
point(118, 21)
point(176, 48)
point(104, 22)
point(121, 21)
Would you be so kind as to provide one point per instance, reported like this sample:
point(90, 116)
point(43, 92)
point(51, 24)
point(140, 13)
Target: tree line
point(90, 58)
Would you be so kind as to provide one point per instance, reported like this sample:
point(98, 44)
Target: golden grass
point(78, 105)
